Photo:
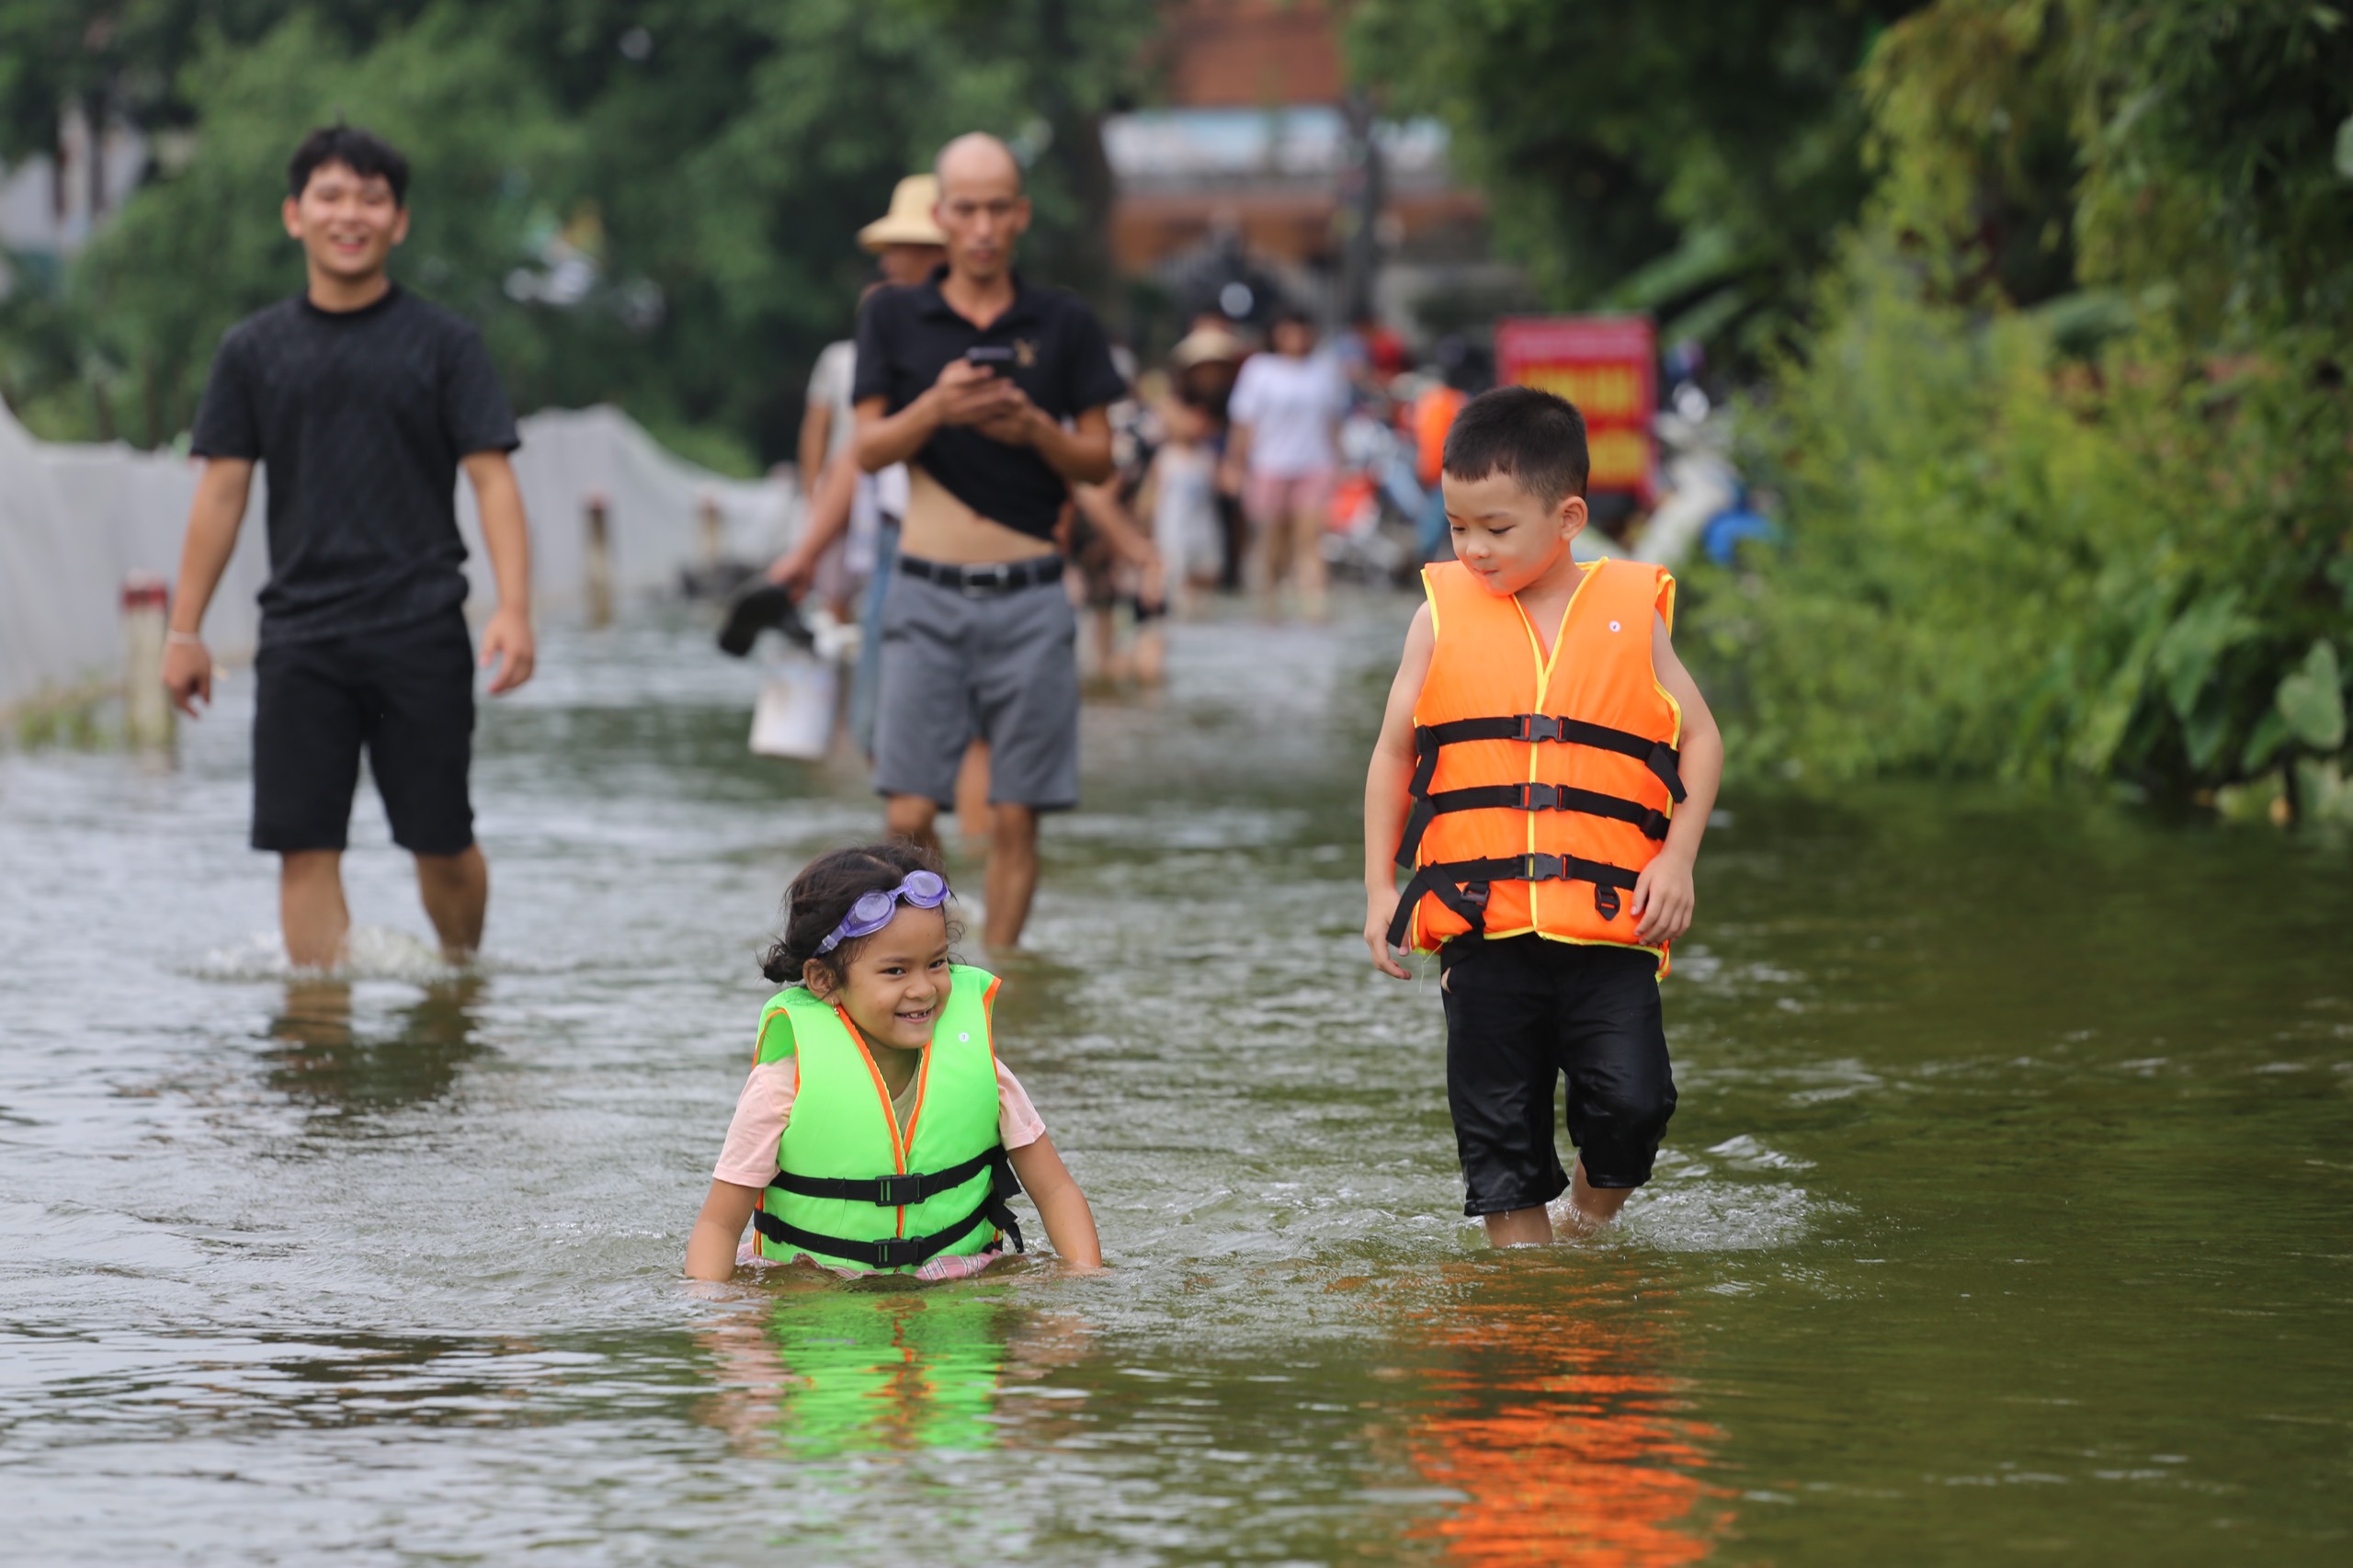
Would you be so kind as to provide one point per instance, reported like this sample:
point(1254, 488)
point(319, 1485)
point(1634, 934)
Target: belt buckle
point(1538, 727)
point(980, 581)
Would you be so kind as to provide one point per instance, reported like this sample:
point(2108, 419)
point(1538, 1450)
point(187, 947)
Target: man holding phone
point(993, 391)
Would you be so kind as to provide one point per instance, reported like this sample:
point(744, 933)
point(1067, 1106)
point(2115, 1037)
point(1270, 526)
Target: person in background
point(365, 402)
point(1179, 494)
point(1427, 419)
point(906, 244)
point(1287, 409)
point(1205, 363)
point(1107, 577)
point(1370, 353)
point(993, 391)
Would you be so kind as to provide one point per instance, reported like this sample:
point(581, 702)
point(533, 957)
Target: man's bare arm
point(508, 648)
point(1104, 511)
point(826, 516)
point(213, 519)
point(1081, 455)
point(816, 432)
point(965, 393)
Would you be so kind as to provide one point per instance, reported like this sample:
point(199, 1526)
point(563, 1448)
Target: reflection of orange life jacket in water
point(1541, 786)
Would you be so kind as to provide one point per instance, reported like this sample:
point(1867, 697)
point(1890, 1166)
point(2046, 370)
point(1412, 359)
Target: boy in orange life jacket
point(1546, 767)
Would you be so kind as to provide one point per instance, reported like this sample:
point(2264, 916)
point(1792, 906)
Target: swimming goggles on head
point(874, 909)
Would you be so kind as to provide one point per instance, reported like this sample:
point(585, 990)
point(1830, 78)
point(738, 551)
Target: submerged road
point(2003, 1217)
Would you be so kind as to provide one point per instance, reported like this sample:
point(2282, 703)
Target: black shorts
point(1522, 1012)
point(407, 695)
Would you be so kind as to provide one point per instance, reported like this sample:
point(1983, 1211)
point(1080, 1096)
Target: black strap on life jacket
point(1463, 886)
point(895, 1191)
point(1656, 755)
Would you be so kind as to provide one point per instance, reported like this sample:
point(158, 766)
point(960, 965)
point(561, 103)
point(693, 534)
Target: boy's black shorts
point(1521, 1013)
point(407, 695)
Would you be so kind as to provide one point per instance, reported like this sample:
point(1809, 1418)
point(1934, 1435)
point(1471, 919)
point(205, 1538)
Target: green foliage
point(2110, 537)
point(714, 162)
point(2004, 563)
point(440, 89)
point(1697, 166)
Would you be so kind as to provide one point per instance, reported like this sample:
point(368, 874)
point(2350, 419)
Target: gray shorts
point(1000, 666)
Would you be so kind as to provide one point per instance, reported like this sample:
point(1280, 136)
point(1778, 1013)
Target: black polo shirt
point(906, 337)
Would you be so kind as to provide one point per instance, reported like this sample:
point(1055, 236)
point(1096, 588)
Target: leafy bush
point(2006, 562)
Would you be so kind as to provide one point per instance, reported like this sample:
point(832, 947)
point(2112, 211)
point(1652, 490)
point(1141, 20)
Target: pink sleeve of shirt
point(1017, 1122)
point(748, 1157)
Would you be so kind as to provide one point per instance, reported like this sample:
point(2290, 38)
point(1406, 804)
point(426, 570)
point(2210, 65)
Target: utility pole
point(1361, 193)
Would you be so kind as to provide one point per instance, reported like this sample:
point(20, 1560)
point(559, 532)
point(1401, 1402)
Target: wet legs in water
point(1290, 548)
point(1012, 877)
point(1590, 1207)
point(315, 919)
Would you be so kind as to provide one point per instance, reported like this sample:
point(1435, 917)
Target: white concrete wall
point(76, 521)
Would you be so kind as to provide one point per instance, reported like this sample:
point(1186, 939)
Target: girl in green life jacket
point(878, 1131)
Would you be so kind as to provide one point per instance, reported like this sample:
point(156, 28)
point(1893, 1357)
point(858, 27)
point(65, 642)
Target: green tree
point(195, 251)
point(713, 161)
point(2019, 547)
point(1694, 161)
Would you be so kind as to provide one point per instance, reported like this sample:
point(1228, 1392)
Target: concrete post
point(713, 531)
point(146, 713)
point(601, 561)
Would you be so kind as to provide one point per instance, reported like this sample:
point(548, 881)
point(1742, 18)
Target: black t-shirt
point(906, 337)
point(360, 418)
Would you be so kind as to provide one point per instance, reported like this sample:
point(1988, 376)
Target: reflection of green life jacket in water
point(851, 1187)
point(868, 1372)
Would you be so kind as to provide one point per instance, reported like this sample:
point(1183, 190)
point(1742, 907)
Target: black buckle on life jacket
point(899, 1252)
point(899, 1190)
point(1539, 727)
point(1604, 901)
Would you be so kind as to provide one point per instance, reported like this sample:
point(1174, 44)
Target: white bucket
point(795, 714)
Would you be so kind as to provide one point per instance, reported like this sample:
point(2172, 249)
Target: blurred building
point(1260, 167)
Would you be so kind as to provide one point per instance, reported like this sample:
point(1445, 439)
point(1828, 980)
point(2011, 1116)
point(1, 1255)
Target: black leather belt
point(1002, 577)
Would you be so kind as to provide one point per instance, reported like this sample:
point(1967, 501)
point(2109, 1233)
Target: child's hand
point(1380, 906)
point(1664, 899)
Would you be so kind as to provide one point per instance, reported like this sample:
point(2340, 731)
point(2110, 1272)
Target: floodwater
point(2008, 1214)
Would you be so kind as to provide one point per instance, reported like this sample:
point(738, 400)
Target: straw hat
point(1208, 344)
point(909, 221)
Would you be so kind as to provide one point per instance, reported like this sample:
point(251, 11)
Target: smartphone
point(995, 357)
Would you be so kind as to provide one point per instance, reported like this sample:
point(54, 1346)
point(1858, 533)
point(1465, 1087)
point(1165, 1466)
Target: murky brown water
point(2008, 1214)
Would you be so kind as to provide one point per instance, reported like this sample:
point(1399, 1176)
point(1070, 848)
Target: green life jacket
point(851, 1188)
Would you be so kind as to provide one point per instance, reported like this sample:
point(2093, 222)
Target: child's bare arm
point(1386, 798)
point(1070, 1223)
point(726, 1210)
point(1663, 899)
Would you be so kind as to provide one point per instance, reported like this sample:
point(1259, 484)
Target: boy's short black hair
point(1534, 436)
point(364, 152)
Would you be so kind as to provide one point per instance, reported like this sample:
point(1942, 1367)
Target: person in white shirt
point(1285, 412)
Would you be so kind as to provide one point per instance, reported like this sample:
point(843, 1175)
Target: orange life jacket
point(1434, 414)
point(1541, 786)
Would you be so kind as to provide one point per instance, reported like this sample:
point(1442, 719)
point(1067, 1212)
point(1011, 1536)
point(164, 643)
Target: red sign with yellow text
point(1607, 366)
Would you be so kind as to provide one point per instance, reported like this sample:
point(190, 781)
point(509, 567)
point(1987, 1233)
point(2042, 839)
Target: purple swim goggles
point(873, 910)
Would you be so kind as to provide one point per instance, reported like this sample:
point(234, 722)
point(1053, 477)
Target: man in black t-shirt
point(363, 401)
point(992, 391)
